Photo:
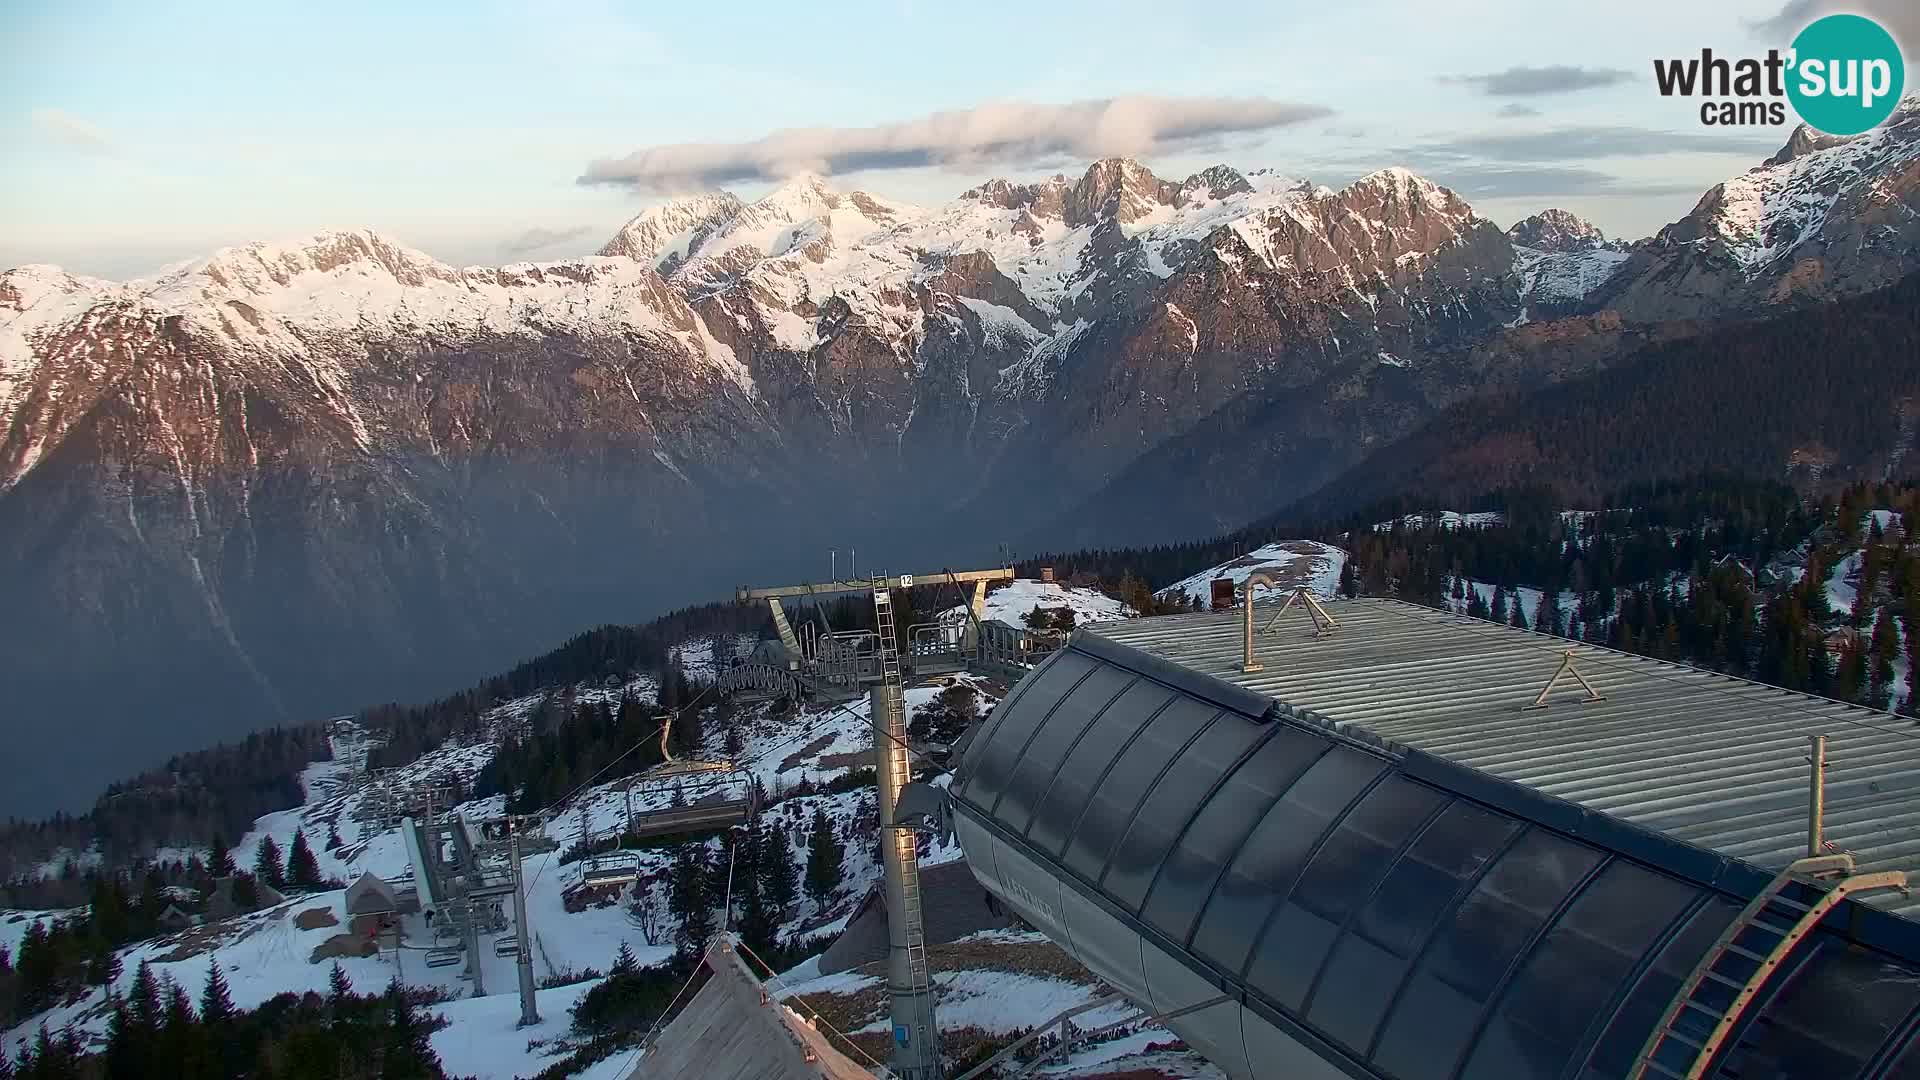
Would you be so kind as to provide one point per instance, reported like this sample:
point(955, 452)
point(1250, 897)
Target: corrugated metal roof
point(1709, 759)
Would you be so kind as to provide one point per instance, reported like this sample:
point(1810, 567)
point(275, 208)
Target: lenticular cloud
point(1009, 132)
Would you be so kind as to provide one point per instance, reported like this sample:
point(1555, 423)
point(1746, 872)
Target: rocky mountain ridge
point(344, 441)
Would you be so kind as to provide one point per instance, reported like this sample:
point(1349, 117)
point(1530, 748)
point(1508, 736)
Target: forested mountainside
point(1719, 571)
point(219, 791)
point(1665, 568)
point(1826, 395)
point(277, 482)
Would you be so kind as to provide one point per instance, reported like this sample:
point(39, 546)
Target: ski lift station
point(1372, 840)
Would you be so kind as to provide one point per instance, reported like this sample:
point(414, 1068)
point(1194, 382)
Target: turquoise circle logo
point(1847, 74)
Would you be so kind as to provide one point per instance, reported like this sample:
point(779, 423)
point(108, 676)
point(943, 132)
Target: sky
point(134, 135)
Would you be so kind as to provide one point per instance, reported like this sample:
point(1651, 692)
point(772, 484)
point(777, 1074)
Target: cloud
point(539, 239)
point(1517, 109)
point(1001, 132)
point(1540, 81)
point(1900, 17)
point(67, 129)
point(1589, 142)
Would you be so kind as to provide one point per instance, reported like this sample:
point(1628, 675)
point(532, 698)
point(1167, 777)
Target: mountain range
point(290, 479)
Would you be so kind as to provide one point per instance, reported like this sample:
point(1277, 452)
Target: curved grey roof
point(1716, 761)
point(1408, 917)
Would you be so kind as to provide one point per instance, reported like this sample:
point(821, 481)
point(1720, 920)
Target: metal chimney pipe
point(1816, 796)
point(1248, 665)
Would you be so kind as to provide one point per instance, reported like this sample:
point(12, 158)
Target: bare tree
point(647, 913)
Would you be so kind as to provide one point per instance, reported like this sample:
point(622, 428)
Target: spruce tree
point(266, 863)
point(687, 898)
point(143, 998)
point(1519, 613)
point(339, 988)
point(334, 841)
point(303, 870)
point(216, 1003)
point(408, 1054)
point(180, 1037)
point(825, 856)
point(1349, 583)
point(125, 1057)
point(1883, 649)
point(220, 860)
point(623, 962)
point(1546, 615)
point(778, 879)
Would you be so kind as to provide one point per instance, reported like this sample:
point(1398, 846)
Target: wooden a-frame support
point(1566, 668)
point(1323, 621)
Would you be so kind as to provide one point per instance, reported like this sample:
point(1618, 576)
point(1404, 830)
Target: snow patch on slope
point(1290, 563)
point(1011, 603)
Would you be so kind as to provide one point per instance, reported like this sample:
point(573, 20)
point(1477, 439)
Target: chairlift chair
point(506, 946)
point(689, 775)
point(444, 957)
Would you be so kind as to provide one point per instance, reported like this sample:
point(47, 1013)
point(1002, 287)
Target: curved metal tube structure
point(1373, 912)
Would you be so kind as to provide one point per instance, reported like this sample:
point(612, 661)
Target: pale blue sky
point(132, 135)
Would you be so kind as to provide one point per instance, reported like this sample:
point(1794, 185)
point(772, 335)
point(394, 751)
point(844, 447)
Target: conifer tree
point(303, 870)
point(179, 1043)
point(687, 898)
point(216, 1003)
point(1546, 615)
point(334, 840)
point(1883, 649)
point(143, 999)
point(408, 1054)
point(246, 892)
point(1476, 607)
point(266, 863)
point(1349, 583)
point(339, 987)
point(124, 1057)
point(624, 962)
point(825, 856)
point(778, 879)
point(220, 860)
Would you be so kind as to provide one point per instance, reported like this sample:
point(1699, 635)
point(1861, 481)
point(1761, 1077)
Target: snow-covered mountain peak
point(800, 196)
point(1557, 231)
point(665, 235)
point(261, 268)
point(1769, 212)
point(1118, 187)
point(1213, 182)
point(1407, 187)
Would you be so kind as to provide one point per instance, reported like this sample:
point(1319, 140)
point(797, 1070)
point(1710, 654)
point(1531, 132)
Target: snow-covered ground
point(1003, 1001)
point(704, 658)
point(1446, 519)
point(482, 1037)
point(15, 924)
point(1013, 601)
point(1290, 563)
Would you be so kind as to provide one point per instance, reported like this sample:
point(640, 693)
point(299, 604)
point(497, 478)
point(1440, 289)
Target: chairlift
point(610, 868)
point(506, 946)
point(691, 774)
point(443, 957)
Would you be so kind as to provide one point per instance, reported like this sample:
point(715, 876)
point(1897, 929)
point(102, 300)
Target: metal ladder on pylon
point(893, 726)
point(887, 648)
point(1709, 1004)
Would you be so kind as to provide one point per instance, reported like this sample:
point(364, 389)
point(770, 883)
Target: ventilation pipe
point(1248, 665)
